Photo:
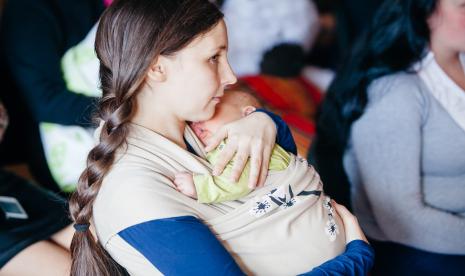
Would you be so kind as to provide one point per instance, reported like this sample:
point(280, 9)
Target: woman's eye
point(214, 58)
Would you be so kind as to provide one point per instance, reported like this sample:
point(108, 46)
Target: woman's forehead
point(214, 40)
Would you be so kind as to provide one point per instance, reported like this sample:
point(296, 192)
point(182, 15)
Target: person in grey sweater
point(405, 161)
point(394, 121)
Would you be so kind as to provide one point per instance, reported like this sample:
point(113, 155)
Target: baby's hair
point(244, 98)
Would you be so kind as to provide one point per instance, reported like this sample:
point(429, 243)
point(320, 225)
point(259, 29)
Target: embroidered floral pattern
point(289, 203)
point(331, 229)
point(281, 198)
point(328, 206)
point(260, 208)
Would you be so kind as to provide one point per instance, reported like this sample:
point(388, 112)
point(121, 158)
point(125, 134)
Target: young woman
point(394, 124)
point(163, 63)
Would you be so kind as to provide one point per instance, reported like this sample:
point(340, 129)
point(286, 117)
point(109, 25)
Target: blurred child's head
point(234, 105)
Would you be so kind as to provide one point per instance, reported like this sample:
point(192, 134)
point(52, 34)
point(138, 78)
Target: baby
point(292, 193)
point(205, 188)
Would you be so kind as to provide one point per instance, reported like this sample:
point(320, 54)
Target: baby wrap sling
point(215, 189)
point(285, 228)
point(66, 147)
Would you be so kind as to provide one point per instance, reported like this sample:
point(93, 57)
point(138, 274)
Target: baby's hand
point(184, 183)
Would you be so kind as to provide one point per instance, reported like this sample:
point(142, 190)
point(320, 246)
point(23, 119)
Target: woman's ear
point(247, 110)
point(157, 71)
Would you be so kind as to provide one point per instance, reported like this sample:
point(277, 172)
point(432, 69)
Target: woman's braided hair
point(130, 36)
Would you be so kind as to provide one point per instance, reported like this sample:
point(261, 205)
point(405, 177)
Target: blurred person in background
point(341, 22)
point(268, 44)
point(393, 126)
point(35, 235)
point(38, 242)
point(48, 117)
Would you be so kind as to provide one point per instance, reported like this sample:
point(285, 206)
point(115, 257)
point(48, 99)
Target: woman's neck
point(449, 61)
point(169, 127)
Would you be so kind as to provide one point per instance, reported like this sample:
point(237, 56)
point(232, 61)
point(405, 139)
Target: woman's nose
point(228, 75)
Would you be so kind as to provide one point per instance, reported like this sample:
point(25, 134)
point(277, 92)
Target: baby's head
point(234, 105)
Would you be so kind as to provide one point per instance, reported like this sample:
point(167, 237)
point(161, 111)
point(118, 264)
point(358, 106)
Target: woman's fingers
point(266, 154)
point(226, 155)
point(342, 211)
point(216, 139)
point(351, 226)
point(240, 160)
point(255, 164)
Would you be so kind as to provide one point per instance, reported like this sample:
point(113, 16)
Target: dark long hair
point(130, 36)
point(397, 38)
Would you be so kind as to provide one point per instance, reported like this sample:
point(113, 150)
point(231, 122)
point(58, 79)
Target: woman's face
point(447, 25)
point(197, 76)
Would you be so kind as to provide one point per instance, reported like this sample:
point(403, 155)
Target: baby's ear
point(247, 110)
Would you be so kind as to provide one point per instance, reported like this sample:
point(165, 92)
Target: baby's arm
point(212, 189)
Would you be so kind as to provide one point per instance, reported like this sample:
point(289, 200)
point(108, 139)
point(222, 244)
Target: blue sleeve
point(284, 136)
point(356, 260)
point(181, 246)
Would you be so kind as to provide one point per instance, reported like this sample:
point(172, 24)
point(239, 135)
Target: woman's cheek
point(460, 30)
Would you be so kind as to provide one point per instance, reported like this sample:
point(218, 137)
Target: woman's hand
point(253, 136)
point(351, 226)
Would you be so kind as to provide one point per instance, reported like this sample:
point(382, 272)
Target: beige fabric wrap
point(285, 239)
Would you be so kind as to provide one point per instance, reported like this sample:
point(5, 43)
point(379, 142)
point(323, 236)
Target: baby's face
point(224, 113)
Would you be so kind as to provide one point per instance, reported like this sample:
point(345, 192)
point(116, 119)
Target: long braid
point(115, 114)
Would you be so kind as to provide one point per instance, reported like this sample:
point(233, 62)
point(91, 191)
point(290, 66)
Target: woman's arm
point(181, 246)
point(180, 243)
point(356, 260)
point(185, 246)
point(387, 141)
point(359, 256)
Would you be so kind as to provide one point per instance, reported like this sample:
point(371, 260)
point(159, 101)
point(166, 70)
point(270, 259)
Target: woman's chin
point(209, 113)
point(204, 116)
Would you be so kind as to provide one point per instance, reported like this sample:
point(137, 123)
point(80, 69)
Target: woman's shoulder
point(133, 193)
point(397, 90)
